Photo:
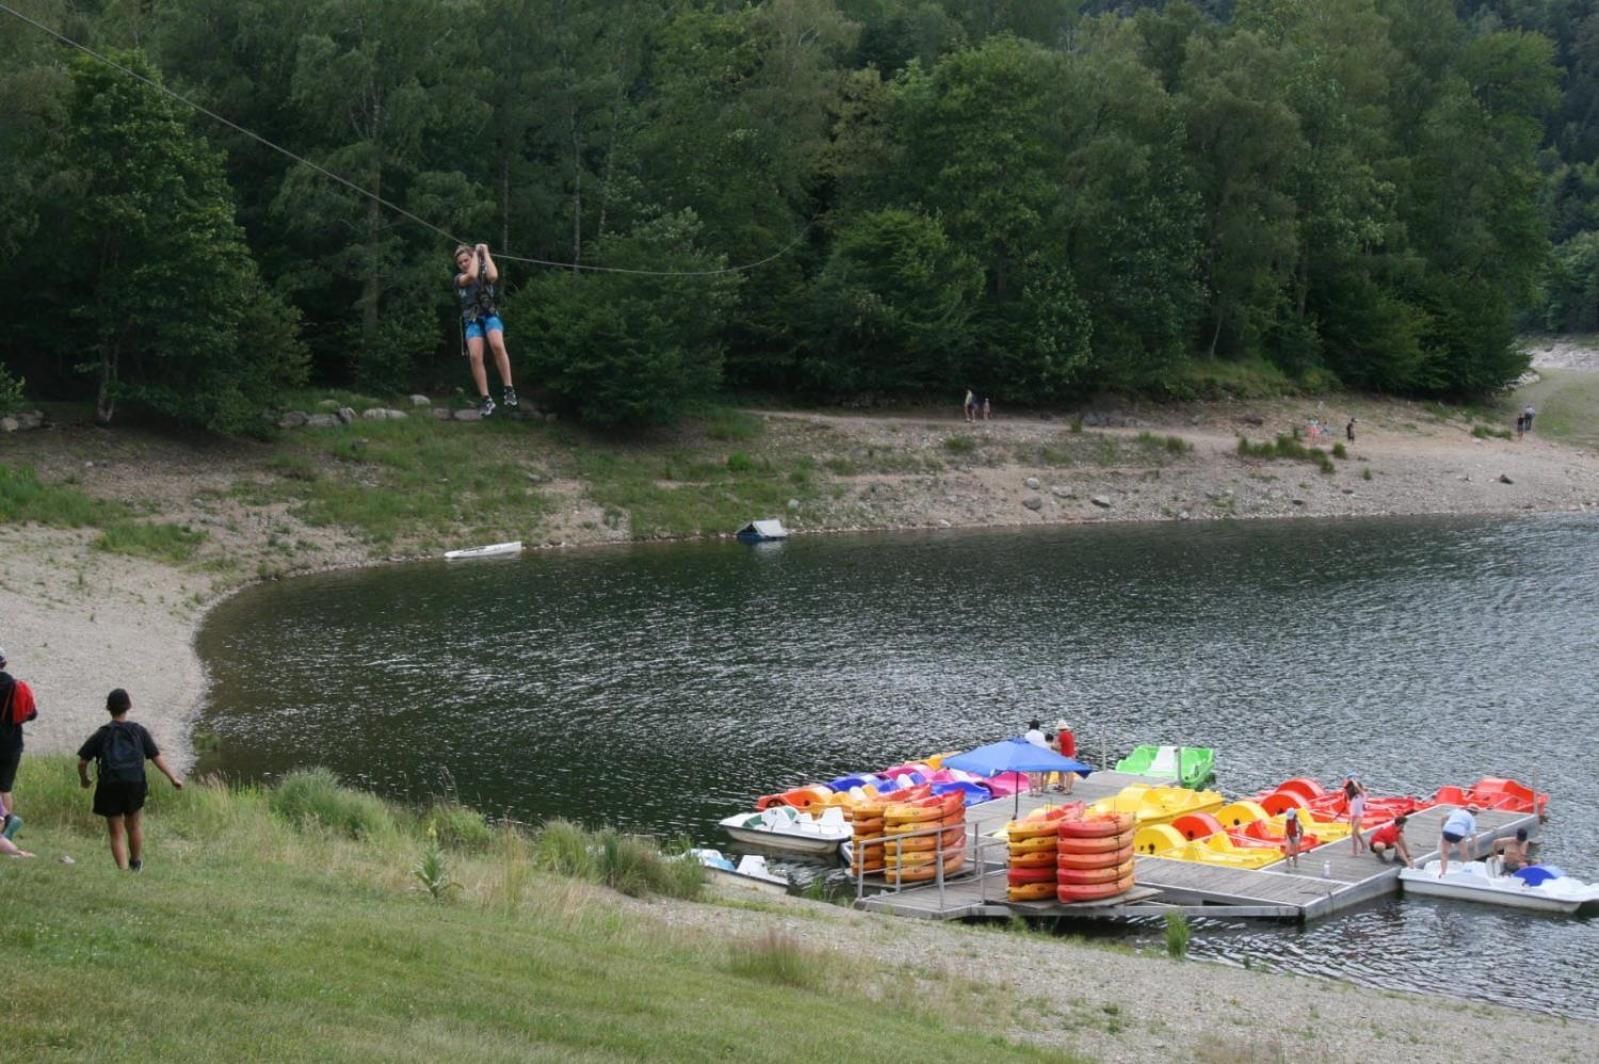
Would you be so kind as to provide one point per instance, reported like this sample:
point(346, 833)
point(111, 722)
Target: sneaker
point(508, 397)
point(485, 407)
point(135, 864)
point(13, 824)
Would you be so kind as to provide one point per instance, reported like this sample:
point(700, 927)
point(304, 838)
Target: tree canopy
point(1039, 200)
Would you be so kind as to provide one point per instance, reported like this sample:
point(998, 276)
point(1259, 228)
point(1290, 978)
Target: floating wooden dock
point(1329, 878)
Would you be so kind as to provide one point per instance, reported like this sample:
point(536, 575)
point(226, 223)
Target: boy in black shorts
point(121, 749)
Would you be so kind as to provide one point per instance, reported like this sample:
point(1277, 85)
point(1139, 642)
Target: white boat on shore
point(784, 828)
point(751, 872)
point(1542, 888)
point(490, 551)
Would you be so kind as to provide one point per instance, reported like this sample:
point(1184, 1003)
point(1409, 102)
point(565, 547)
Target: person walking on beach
point(1526, 417)
point(970, 407)
point(1521, 425)
point(16, 709)
point(1457, 832)
point(1388, 842)
point(120, 750)
point(476, 284)
point(1349, 430)
point(1355, 799)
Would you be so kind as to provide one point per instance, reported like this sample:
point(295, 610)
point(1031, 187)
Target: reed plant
point(314, 796)
point(1178, 933)
point(777, 958)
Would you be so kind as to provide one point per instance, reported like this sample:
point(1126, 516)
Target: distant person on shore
point(16, 709)
point(1457, 832)
point(1355, 799)
point(1514, 854)
point(120, 750)
point(1388, 841)
point(970, 406)
point(987, 410)
point(1526, 417)
point(1349, 430)
point(476, 283)
point(1521, 425)
point(1293, 838)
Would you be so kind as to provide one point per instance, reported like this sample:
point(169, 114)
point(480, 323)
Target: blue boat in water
point(762, 531)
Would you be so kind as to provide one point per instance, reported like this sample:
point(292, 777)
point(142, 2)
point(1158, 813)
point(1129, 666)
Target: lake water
point(662, 687)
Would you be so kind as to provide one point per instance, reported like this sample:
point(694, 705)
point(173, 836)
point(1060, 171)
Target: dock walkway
point(1329, 878)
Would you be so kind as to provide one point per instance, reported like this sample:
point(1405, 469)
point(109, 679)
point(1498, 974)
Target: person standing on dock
point(1065, 745)
point(1355, 798)
point(1388, 841)
point(1035, 735)
point(1293, 835)
point(1457, 832)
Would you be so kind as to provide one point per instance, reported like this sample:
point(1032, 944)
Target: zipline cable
point(396, 208)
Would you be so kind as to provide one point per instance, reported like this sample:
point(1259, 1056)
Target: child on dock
point(1293, 835)
point(1355, 796)
point(120, 750)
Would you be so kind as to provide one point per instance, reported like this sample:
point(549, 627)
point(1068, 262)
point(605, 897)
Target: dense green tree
point(173, 314)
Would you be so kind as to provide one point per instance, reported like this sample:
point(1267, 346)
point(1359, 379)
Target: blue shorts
point(476, 329)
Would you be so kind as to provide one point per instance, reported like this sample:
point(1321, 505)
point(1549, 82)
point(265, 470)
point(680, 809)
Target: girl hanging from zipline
point(475, 286)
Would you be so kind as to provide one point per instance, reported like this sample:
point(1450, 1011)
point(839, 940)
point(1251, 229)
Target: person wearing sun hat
point(16, 709)
point(1065, 745)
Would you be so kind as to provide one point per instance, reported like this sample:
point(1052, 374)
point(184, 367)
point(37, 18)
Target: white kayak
point(1543, 888)
point(489, 551)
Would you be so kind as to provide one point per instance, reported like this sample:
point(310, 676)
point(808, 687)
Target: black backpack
point(121, 755)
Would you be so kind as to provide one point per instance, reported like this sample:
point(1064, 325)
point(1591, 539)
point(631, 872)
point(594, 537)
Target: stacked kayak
point(923, 837)
point(1191, 766)
point(1093, 857)
point(1031, 852)
point(1156, 805)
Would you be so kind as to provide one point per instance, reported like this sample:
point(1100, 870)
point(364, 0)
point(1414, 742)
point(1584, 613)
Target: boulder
point(30, 419)
point(1100, 501)
point(346, 414)
point(1032, 483)
point(322, 421)
point(1503, 479)
point(377, 413)
point(9, 424)
point(1033, 502)
point(1253, 419)
point(793, 504)
point(294, 419)
point(467, 414)
point(1061, 492)
point(442, 413)
point(420, 400)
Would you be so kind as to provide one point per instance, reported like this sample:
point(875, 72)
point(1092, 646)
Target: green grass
point(960, 445)
point(253, 936)
point(25, 498)
point(1567, 401)
point(688, 493)
point(1287, 447)
point(1487, 432)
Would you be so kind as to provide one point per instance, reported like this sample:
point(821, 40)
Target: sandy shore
point(1109, 1004)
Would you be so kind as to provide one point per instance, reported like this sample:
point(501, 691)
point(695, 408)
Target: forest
point(803, 200)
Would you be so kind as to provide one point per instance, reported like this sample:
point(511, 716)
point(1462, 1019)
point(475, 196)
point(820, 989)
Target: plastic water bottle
point(1326, 870)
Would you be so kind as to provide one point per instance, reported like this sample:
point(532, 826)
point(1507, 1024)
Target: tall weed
point(777, 958)
point(315, 796)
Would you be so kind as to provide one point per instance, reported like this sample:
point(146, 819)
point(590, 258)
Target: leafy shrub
point(458, 827)
point(433, 870)
point(563, 847)
point(1484, 432)
point(315, 796)
point(960, 445)
point(1340, 451)
point(10, 392)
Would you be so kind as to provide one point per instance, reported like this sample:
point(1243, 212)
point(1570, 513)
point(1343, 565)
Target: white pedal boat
point(751, 872)
point(1542, 888)
point(785, 828)
point(490, 551)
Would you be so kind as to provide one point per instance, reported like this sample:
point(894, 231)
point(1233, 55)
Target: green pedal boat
point(1191, 766)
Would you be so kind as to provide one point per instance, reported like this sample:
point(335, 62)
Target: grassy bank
point(293, 925)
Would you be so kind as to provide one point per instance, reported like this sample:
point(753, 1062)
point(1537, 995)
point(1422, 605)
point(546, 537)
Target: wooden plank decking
point(1329, 878)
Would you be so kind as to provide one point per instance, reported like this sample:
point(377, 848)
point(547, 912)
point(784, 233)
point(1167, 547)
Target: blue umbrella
point(1014, 755)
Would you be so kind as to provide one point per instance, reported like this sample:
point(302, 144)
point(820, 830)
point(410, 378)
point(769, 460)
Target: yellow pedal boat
point(1156, 805)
